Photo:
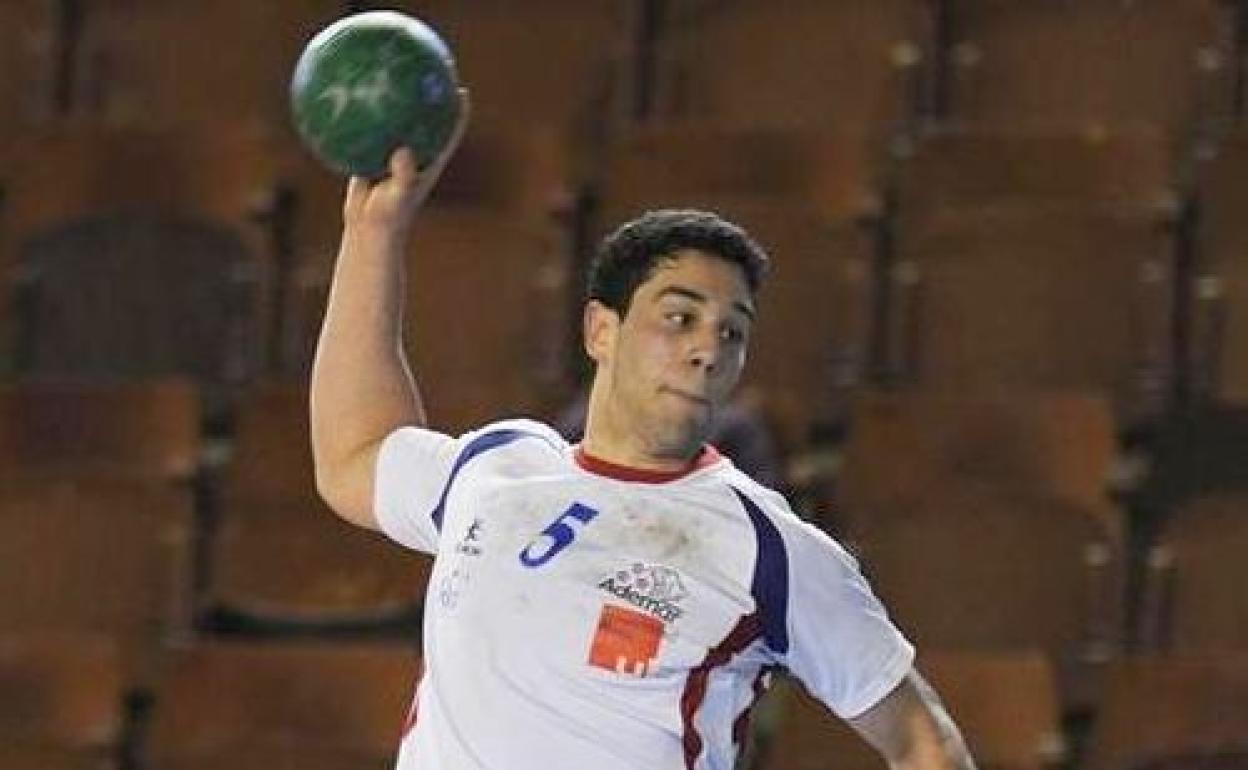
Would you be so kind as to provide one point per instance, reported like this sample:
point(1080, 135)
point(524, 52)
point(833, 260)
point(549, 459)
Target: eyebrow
point(697, 296)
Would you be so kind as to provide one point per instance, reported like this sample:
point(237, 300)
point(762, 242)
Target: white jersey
point(582, 615)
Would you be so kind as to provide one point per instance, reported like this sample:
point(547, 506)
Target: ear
point(600, 325)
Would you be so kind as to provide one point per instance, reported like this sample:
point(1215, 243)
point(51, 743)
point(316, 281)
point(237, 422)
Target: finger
point(357, 191)
point(403, 166)
point(457, 135)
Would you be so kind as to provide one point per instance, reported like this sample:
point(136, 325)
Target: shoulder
point(534, 432)
point(768, 501)
point(775, 513)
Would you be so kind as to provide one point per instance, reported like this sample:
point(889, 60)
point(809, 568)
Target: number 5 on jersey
point(561, 532)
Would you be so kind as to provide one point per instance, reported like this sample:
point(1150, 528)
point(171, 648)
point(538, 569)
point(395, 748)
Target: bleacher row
point(1004, 345)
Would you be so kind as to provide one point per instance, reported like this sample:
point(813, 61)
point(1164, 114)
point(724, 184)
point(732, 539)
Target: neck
point(619, 441)
point(632, 457)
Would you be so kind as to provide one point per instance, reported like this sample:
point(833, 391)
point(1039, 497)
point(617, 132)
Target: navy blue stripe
point(770, 585)
point(477, 446)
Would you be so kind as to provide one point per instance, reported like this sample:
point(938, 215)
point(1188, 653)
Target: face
point(666, 368)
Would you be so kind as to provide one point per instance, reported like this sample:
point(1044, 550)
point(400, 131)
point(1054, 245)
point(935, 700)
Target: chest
point(623, 578)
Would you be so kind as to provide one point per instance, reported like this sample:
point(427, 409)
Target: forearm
point(912, 730)
point(362, 387)
point(934, 743)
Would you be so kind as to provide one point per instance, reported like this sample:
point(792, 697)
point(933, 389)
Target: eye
point(732, 334)
point(678, 318)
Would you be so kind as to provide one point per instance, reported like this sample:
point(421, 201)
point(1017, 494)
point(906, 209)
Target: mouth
point(687, 396)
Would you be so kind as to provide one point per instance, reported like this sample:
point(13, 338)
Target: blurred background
point(1003, 355)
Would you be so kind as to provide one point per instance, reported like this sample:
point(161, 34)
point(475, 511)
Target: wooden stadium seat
point(974, 568)
point(296, 567)
point(528, 170)
point(154, 244)
point(126, 48)
point(140, 429)
point(967, 167)
point(1062, 63)
point(1157, 708)
point(1220, 293)
point(836, 172)
point(279, 559)
point(1194, 601)
point(793, 64)
point(1018, 298)
point(525, 172)
point(63, 697)
point(101, 557)
point(1005, 704)
point(566, 64)
point(224, 172)
point(271, 452)
point(134, 297)
point(905, 444)
point(322, 706)
point(31, 77)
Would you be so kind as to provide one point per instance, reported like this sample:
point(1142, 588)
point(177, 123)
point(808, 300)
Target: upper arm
point(911, 729)
point(395, 485)
point(843, 646)
point(349, 489)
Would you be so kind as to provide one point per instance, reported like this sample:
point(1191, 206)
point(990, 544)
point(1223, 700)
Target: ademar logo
point(654, 588)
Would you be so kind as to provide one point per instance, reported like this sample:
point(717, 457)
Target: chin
point(682, 436)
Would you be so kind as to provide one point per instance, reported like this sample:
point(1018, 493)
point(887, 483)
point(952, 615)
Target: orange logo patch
point(626, 641)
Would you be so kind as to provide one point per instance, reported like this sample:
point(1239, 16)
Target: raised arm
point(912, 730)
point(362, 386)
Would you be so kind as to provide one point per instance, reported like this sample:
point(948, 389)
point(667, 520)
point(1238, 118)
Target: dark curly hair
point(629, 256)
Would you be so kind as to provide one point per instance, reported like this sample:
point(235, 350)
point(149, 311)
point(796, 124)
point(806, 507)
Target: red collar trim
point(708, 456)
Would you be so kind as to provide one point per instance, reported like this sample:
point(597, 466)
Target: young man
point(617, 605)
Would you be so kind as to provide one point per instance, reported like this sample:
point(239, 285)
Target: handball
point(370, 83)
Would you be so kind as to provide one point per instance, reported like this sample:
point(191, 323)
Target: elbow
point(346, 495)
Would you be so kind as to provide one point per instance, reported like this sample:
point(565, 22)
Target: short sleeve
point(843, 646)
point(413, 467)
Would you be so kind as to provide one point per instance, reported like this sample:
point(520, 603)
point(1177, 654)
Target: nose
point(705, 352)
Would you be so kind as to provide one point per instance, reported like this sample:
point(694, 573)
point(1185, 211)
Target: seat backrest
point(1065, 62)
point(958, 167)
point(221, 698)
point(567, 64)
point(125, 47)
point(141, 429)
point(1157, 707)
point(61, 690)
point(797, 63)
point(977, 568)
point(28, 66)
point(105, 557)
point(298, 563)
point(138, 297)
point(905, 443)
point(836, 172)
point(1010, 297)
point(1196, 578)
point(1004, 703)
point(271, 452)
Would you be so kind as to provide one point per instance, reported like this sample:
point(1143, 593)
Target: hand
point(391, 202)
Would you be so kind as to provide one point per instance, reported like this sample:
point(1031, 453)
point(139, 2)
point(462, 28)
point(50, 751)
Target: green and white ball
point(369, 83)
